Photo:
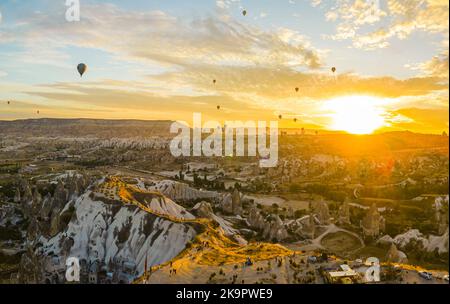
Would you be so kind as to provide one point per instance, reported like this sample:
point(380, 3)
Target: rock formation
point(272, 227)
point(236, 203)
point(373, 223)
point(181, 192)
point(415, 240)
point(227, 204)
point(343, 217)
point(17, 196)
point(204, 210)
point(37, 201)
point(255, 219)
point(323, 213)
point(232, 204)
point(27, 201)
point(290, 212)
point(396, 256)
point(60, 196)
point(385, 240)
point(309, 229)
point(441, 205)
point(93, 230)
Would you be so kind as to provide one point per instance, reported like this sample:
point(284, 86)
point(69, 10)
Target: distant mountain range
point(85, 127)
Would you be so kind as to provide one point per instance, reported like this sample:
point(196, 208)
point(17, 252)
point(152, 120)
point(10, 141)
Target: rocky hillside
point(101, 230)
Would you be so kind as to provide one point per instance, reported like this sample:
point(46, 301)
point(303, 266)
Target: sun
point(356, 114)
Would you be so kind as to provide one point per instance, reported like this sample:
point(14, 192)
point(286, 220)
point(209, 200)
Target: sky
point(154, 60)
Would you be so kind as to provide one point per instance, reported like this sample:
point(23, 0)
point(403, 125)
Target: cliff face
point(103, 232)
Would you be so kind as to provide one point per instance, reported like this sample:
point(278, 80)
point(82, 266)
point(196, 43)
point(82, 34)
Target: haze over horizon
point(158, 61)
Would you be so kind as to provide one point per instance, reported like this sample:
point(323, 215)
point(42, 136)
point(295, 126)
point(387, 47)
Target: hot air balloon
point(214, 81)
point(244, 12)
point(218, 107)
point(297, 89)
point(280, 116)
point(37, 112)
point(333, 69)
point(81, 69)
point(9, 102)
point(295, 119)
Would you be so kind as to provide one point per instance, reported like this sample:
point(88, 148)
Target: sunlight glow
point(356, 114)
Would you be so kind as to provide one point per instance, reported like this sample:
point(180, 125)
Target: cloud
point(437, 66)
point(370, 25)
point(280, 83)
point(221, 4)
point(159, 37)
point(226, 4)
point(110, 99)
